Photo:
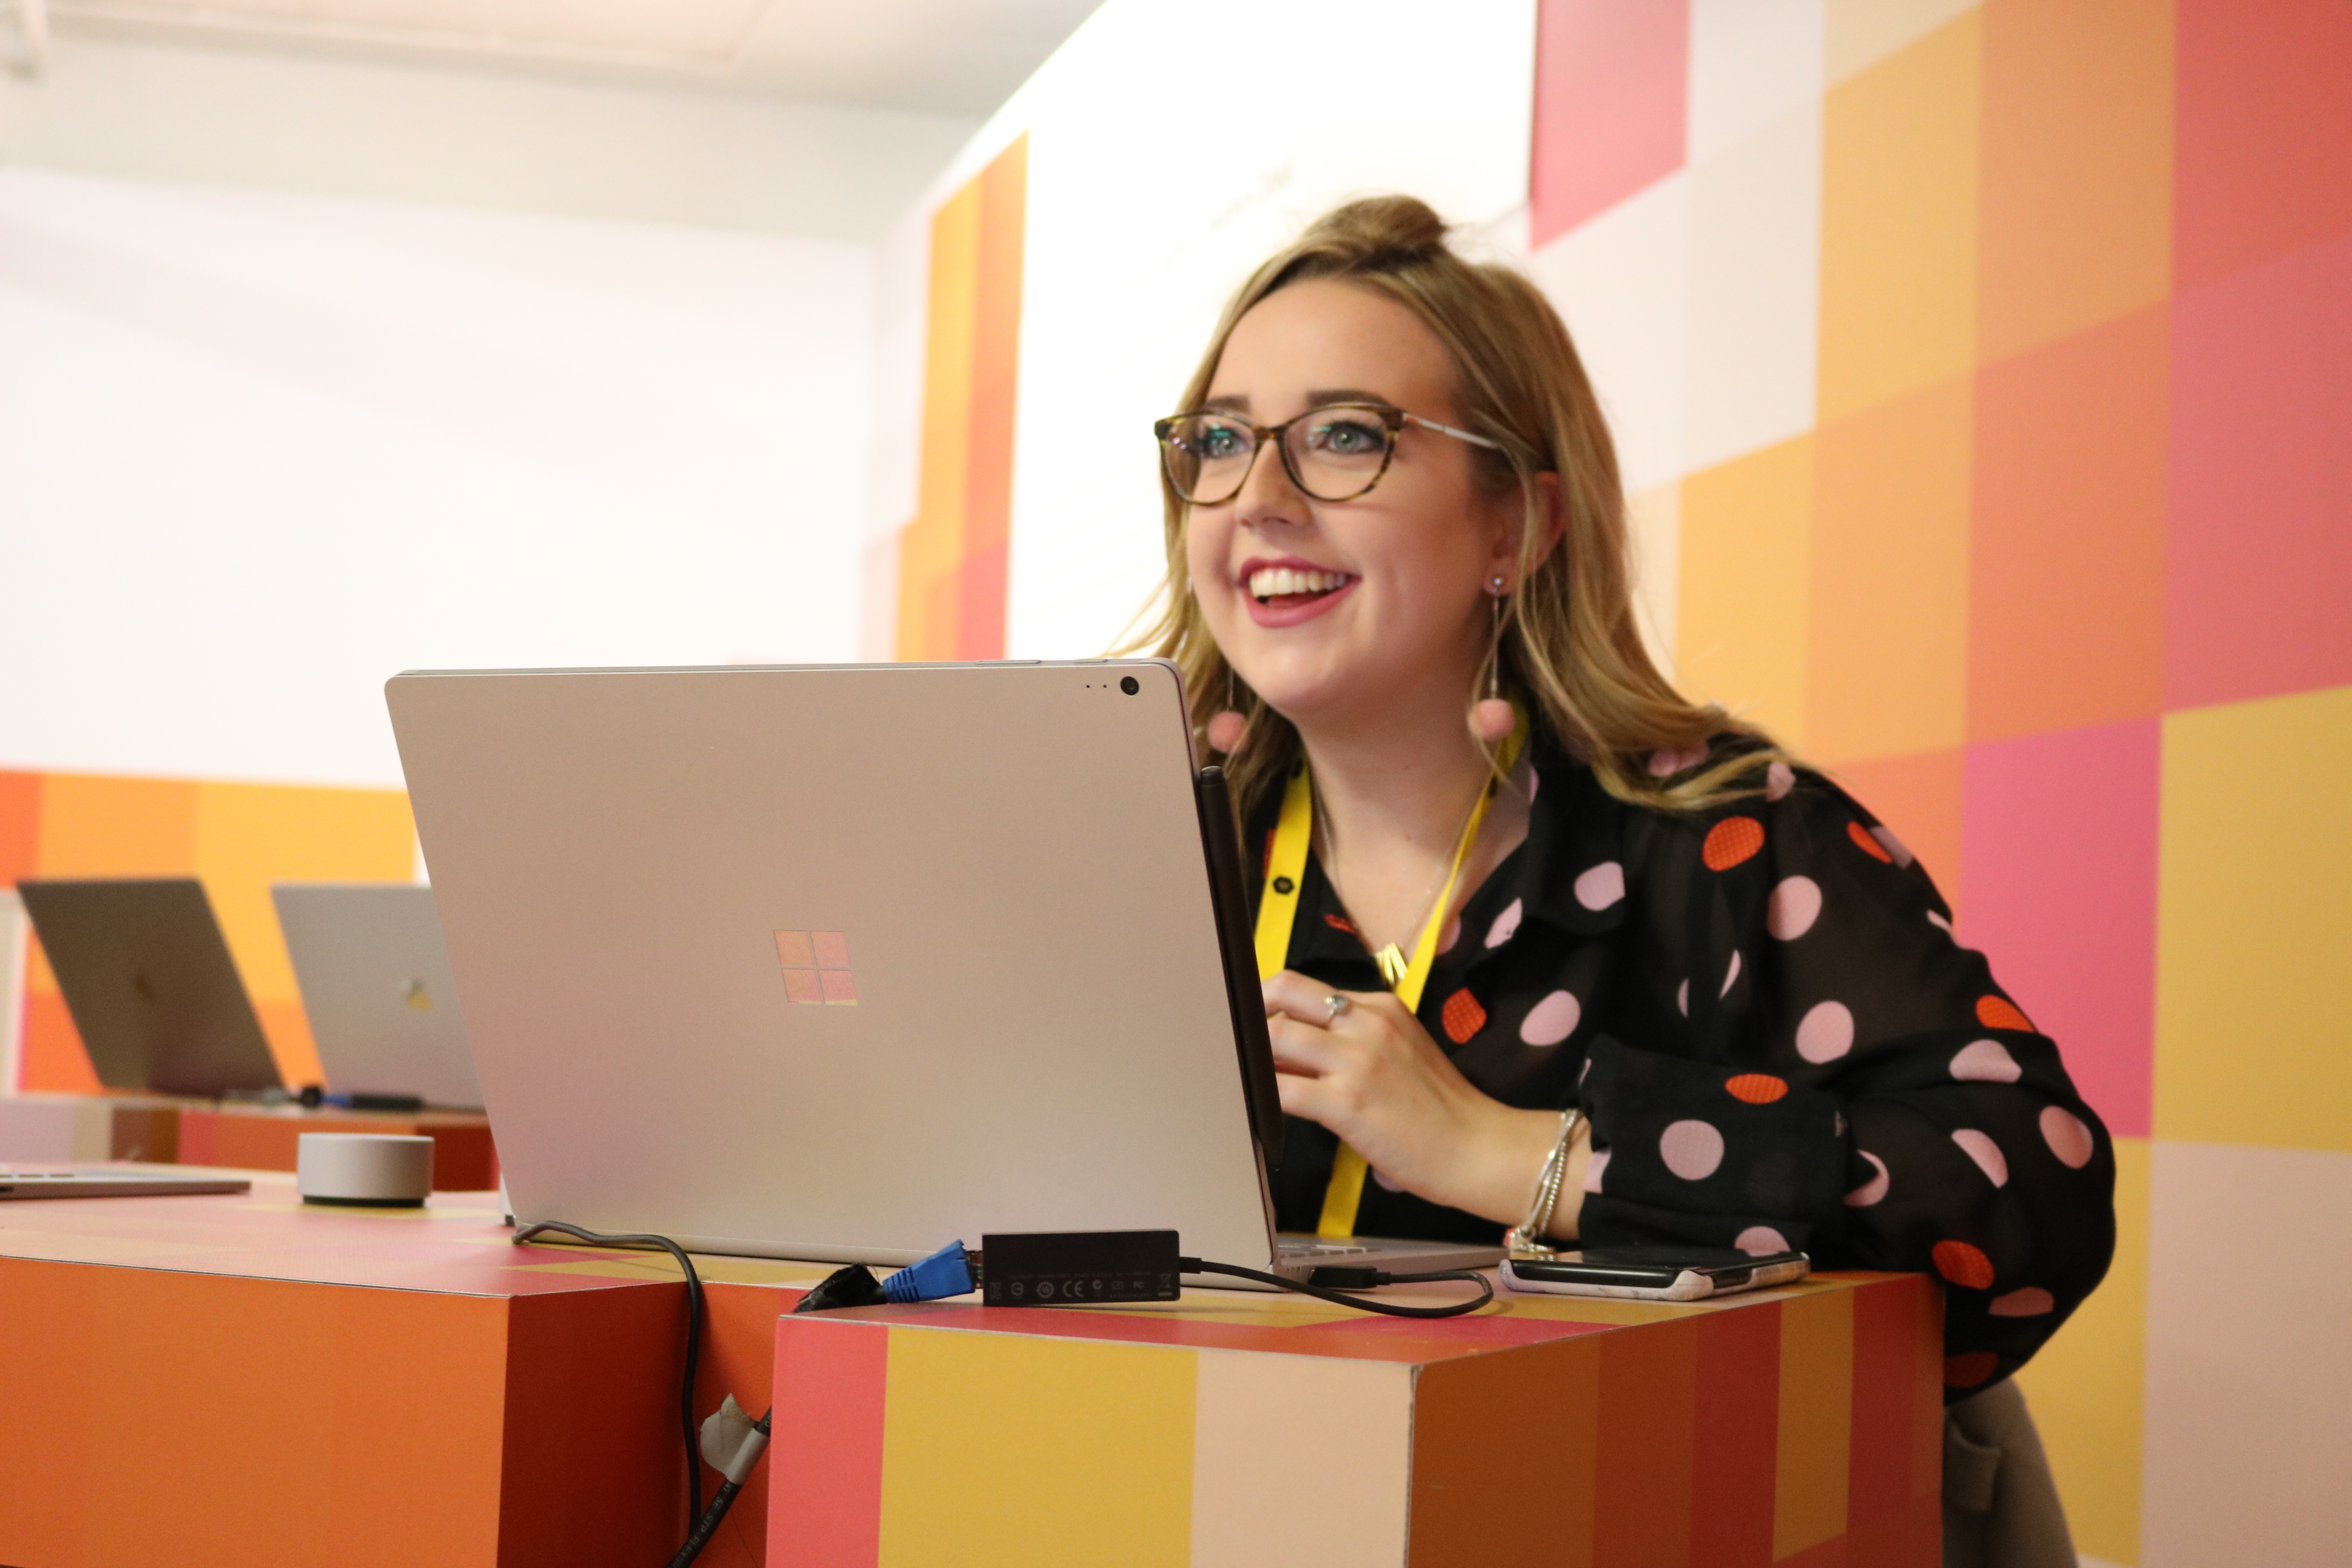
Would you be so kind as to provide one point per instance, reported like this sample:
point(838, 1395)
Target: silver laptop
point(61, 1182)
point(846, 963)
point(147, 978)
point(376, 986)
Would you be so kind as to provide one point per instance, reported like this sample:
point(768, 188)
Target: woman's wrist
point(1501, 1162)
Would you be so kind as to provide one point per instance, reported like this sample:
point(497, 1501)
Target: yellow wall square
point(2088, 1386)
point(1100, 1469)
point(1743, 590)
point(249, 836)
point(94, 826)
point(1899, 174)
point(2253, 1044)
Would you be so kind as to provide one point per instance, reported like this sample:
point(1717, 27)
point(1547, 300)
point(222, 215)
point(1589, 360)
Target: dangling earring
point(1227, 726)
point(1492, 720)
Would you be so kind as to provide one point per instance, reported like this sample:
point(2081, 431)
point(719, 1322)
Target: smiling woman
point(1543, 941)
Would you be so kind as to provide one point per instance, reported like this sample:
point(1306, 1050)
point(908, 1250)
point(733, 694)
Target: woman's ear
point(1549, 520)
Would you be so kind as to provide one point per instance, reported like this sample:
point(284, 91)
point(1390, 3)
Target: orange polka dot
point(1967, 1371)
point(1730, 841)
point(1756, 1088)
point(1866, 844)
point(1963, 1265)
point(1265, 866)
point(2000, 1012)
point(1462, 1016)
point(1340, 922)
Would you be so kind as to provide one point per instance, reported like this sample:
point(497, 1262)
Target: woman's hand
point(1371, 1074)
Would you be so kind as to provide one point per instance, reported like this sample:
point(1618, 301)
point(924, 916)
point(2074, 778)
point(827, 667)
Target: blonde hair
point(1569, 650)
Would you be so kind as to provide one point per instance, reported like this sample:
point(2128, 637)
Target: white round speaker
point(363, 1170)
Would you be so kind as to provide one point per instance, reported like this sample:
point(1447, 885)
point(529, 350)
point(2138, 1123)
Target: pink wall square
point(1613, 80)
point(2058, 889)
point(2259, 537)
point(2263, 131)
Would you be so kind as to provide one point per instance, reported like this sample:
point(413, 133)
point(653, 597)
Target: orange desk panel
point(266, 1137)
point(232, 1381)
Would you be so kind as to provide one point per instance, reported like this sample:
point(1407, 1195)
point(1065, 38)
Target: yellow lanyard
point(1277, 908)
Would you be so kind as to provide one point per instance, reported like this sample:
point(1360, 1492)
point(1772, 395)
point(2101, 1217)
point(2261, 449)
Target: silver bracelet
point(1531, 1236)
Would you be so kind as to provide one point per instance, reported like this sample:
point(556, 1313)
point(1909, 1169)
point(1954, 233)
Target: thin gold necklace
point(1391, 959)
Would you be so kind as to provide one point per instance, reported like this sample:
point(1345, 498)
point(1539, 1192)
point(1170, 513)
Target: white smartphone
point(1653, 1273)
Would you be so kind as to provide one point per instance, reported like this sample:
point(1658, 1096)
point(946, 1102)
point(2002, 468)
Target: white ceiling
point(943, 57)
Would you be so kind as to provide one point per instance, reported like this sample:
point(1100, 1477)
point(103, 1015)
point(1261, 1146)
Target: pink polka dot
point(1758, 1240)
point(1986, 1061)
point(1584, 1072)
point(1597, 887)
point(1793, 908)
point(1666, 762)
point(2030, 1302)
point(1939, 922)
point(2067, 1137)
point(1382, 1179)
point(1779, 780)
point(1506, 924)
point(1891, 845)
point(1535, 782)
point(1691, 1149)
point(1551, 1020)
point(1837, 1121)
point(1979, 1147)
point(1825, 1033)
point(1871, 1191)
point(1593, 1169)
point(1682, 998)
point(1730, 976)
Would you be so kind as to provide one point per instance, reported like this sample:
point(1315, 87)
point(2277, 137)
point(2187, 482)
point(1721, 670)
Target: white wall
point(259, 450)
point(472, 138)
point(1164, 163)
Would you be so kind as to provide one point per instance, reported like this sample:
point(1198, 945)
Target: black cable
point(693, 1340)
point(1352, 1278)
point(707, 1525)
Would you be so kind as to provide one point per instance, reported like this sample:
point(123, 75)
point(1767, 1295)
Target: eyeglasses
point(1336, 452)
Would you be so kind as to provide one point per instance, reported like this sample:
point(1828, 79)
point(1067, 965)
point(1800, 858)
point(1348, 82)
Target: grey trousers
point(2000, 1505)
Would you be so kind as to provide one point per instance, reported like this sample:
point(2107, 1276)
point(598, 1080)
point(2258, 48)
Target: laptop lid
point(837, 963)
point(147, 976)
point(376, 985)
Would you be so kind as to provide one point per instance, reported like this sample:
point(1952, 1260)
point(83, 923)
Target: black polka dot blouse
point(1764, 1013)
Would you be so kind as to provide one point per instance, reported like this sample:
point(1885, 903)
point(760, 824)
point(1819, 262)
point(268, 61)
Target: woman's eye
point(1347, 438)
point(1214, 441)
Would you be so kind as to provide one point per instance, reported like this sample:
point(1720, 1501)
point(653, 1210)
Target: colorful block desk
point(230, 1381)
point(1800, 1426)
point(266, 1137)
point(245, 1380)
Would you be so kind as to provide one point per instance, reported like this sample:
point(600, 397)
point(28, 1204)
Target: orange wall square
point(20, 826)
point(1887, 670)
point(2067, 554)
point(1918, 797)
point(2077, 170)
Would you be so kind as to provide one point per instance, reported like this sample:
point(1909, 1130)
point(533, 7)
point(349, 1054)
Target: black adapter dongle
point(1057, 1268)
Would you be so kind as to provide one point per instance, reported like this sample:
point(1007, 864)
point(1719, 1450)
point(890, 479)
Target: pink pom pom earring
point(1492, 720)
point(1226, 727)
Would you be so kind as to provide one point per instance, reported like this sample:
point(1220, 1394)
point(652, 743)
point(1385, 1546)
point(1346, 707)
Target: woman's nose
point(1267, 498)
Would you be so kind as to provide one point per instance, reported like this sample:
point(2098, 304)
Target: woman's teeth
point(1275, 582)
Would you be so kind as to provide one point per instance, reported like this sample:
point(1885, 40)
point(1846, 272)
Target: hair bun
point(1398, 226)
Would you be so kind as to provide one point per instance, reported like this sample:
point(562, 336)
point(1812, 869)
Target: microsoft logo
point(816, 967)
